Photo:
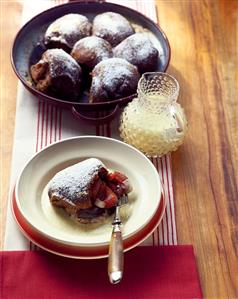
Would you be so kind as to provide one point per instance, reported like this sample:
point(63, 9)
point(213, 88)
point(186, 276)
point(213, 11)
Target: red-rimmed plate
point(84, 252)
point(53, 230)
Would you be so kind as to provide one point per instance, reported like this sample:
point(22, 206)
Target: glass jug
point(154, 122)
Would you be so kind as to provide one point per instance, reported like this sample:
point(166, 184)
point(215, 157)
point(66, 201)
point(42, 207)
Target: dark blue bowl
point(28, 46)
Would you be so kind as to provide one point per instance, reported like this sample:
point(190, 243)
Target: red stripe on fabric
point(156, 238)
point(166, 210)
point(173, 201)
point(46, 124)
point(51, 122)
point(160, 169)
point(162, 222)
point(170, 207)
point(165, 228)
point(153, 235)
point(157, 167)
point(108, 130)
point(56, 123)
point(60, 124)
point(105, 125)
point(165, 214)
point(153, 239)
point(97, 130)
point(42, 123)
point(156, 234)
point(155, 243)
point(102, 126)
point(105, 131)
point(38, 126)
point(97, 126)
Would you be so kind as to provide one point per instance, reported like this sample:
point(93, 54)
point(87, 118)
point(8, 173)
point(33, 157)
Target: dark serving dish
point(28, 48)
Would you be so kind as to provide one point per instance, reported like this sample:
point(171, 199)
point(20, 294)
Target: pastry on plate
point(87, 191)
point(112, 27)
point(65, 31)
point(138, 50)
point(57, 74)
point(89, 51)
point(113, 79)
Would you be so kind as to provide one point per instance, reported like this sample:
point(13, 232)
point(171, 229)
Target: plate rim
point(25, 227)
point(70, 139)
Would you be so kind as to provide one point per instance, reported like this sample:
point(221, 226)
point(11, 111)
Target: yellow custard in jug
point(154, 123)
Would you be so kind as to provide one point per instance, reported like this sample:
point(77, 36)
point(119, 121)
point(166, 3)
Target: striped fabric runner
point(39, 124)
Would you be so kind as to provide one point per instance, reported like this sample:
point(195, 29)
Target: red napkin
point(150, 272)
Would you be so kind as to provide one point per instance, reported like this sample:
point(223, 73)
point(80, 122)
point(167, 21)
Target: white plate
point(80, 252)
point(52, 223)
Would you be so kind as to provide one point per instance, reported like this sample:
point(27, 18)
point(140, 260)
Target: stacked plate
point(50, 228)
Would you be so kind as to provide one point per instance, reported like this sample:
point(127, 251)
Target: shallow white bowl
point(33, 203)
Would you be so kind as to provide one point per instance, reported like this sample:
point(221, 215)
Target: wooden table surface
point(203, 38)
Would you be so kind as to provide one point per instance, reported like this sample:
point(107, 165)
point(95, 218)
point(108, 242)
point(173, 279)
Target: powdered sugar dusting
point(138, 45)
point(93, 42)
point(73, 182)
point(112, 69)
point(62, 64)
point(137, 49)
point(115, 76)
point(68, 29)
point(91, 50)
point(112, 26)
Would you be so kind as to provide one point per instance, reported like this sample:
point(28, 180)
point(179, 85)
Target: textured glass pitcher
point(154, 122)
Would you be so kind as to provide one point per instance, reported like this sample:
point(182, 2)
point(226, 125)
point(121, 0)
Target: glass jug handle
point(178, 118)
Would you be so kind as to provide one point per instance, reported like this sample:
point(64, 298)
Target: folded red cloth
point(150, 272)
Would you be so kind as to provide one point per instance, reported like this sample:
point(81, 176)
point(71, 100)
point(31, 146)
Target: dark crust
point(122, 27)
point(105, 88)
point(89, 215)
point(90, 54)
point(81, 207)
point(66, 40)
point(81, 200)
point(57, 74)
point(81, 188)
point(130, 49)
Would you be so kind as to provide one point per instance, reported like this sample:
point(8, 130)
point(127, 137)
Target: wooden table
point(203, 38)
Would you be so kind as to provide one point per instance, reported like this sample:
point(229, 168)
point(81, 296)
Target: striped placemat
point(39, 124)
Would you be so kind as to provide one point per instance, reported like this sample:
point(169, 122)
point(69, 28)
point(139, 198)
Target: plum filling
point(105, 192)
